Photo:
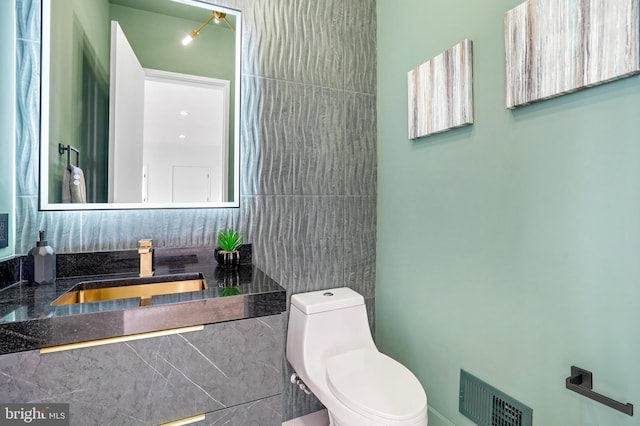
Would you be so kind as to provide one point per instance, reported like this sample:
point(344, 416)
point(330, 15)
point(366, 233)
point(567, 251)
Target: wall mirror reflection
point(139, 104)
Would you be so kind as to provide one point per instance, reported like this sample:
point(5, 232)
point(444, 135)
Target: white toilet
point(329, 345)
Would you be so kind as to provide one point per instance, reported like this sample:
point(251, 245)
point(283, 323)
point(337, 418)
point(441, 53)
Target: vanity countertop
point(28, 321)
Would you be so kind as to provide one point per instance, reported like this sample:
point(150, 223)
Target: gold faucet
point(145, 250)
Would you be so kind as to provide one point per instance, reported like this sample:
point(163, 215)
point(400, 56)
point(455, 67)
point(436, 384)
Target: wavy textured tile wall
point(308, 156)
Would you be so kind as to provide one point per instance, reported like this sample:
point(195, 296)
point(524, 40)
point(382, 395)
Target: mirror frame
point(43, 192)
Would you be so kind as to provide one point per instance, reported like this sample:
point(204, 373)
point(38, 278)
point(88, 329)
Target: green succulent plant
point(229, 240)
point(230, 291)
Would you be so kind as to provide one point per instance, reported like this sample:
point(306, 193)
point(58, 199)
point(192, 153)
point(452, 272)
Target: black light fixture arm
point(581, 381)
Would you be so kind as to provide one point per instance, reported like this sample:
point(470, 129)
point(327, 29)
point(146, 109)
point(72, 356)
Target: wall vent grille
point(487, 406)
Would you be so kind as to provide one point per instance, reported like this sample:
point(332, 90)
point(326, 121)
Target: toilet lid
point(370, 382)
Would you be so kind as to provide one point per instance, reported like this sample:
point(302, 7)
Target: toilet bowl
point(330, 347)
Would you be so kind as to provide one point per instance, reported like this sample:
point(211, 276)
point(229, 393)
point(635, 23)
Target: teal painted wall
point(156, 40)
point(510, 248)
point(7, 120)
point(78, 27)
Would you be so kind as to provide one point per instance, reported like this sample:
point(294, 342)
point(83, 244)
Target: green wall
point(7, 120)
point(78, 27)
point(510, 248)
point(156, 40)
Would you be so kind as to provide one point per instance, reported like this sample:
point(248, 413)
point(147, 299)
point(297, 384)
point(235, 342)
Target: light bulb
point(188, 39)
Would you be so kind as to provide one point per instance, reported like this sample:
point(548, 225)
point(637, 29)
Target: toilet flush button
point(328, 293)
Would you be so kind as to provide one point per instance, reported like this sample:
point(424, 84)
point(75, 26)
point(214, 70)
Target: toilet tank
point(323, 324)
point(326, 300)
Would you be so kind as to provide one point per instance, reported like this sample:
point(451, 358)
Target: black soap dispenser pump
point(41, 263)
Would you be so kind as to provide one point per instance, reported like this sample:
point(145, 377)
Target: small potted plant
point(227, 254)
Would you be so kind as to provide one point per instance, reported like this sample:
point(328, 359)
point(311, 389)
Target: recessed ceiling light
point(182, 136)
point(184, 113)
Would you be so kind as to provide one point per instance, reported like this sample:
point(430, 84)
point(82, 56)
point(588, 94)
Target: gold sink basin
point(125, 288)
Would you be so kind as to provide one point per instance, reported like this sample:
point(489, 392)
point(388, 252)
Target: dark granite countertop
point(28, 321)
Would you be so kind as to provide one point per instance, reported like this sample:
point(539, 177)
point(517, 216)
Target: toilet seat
point(373, 384)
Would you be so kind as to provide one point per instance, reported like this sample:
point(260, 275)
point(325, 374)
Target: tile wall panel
point(267, 221)
point(318, 243)
point(109, 230)
point(27, 116)
point(268, 136)
point(28, 16)
point(360, 144)
point(360, 244)
point(270, 38)
point(63, 229)
point(320, 149)
point(320, 53)
point(360, 46)
point(308, 160)
point(202, 225)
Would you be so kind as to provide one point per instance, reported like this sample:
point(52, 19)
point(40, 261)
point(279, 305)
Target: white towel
point(74, 189)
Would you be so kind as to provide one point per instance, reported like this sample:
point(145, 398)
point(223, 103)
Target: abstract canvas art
point(441, 92)
point(555, 47)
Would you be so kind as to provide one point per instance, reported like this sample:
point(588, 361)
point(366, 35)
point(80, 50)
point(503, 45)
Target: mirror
point(131, 116)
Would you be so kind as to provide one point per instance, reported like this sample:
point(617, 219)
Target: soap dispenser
point(41, 263)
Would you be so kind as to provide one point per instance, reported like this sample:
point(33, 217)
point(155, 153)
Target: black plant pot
point(227, 277)
point(228, 260)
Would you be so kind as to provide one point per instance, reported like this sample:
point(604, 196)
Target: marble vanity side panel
point(267, 136)
point(154, 380)
point(360, 46)
point(263, 412)
point(227, 364)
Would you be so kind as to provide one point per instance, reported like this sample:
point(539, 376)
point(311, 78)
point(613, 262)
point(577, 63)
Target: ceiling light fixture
point(216, 17)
